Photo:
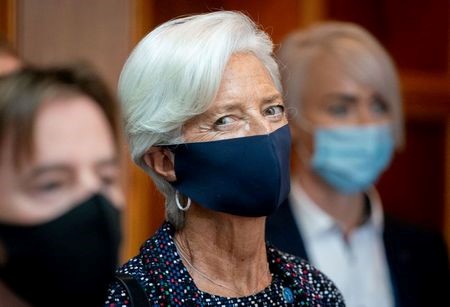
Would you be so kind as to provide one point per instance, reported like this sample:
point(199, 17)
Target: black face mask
point(65, 262)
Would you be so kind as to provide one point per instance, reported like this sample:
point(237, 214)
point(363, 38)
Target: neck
point(228, 249)
point(346, 209)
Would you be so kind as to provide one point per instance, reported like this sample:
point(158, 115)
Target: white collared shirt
point(357, 265)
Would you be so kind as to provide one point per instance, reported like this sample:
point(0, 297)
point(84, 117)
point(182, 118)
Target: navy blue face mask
point(246, 176)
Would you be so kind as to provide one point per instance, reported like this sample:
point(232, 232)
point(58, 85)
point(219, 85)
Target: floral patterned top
point(166, 281)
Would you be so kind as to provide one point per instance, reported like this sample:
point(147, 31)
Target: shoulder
point(424, 242)
point(135, 268)
point(117, 294)
point(314, 286)
point(418, 262)
point(145, 268)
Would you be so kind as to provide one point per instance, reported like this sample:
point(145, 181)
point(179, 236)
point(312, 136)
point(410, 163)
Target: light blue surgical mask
point(351, 158)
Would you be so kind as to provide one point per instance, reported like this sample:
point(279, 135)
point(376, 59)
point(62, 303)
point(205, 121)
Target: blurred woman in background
point(344, 90)
point(60, 193)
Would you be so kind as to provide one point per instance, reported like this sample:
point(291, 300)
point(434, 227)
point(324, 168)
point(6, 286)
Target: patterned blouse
point(166, 281)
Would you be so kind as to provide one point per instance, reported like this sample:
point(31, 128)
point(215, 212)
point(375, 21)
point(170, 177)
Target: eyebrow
point(226, 108)
point(232, 105)
point(61, 167)
point(107, 162)
point(348, 98)
point(271, 98)
point(47, 169)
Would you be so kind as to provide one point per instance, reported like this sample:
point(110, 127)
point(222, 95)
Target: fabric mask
point(246, 176)
point(68, 261)
point(351, 158)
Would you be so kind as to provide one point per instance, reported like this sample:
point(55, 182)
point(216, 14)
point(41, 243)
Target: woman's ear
point(161, 160)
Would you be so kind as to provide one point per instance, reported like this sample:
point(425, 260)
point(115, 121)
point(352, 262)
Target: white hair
point(368, 63)
point(174, 74)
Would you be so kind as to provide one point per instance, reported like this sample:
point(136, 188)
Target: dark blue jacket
point(417, 258)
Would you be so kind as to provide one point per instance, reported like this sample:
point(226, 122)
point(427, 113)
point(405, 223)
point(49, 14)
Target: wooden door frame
point(8, 13)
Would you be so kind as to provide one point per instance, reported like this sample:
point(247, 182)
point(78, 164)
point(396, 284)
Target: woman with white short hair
point(206, 120)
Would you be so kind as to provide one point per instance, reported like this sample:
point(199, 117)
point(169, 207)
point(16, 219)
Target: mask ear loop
point(185, 208)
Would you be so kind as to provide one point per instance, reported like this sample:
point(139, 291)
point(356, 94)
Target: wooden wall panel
point(265, 13)
point(145, 205)
point(8, 20)
point(60, 31)
point(4, 17)
point(413, 187)
point(415, 32)
point(144, 212)
point(447, 185)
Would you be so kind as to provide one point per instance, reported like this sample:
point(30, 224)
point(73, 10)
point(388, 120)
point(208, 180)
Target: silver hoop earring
point(185, 208)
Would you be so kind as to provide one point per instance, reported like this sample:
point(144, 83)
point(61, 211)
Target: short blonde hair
point(369, 64)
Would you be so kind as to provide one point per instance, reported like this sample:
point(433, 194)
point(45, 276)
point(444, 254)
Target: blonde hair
point(369, 64)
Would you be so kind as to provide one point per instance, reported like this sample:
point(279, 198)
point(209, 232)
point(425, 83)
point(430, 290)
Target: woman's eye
point(48, 184)
point(49, 187)
point(108, 180)
point(379, 106)
point(338, 109)
point(277, 110)
point(225, 120)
